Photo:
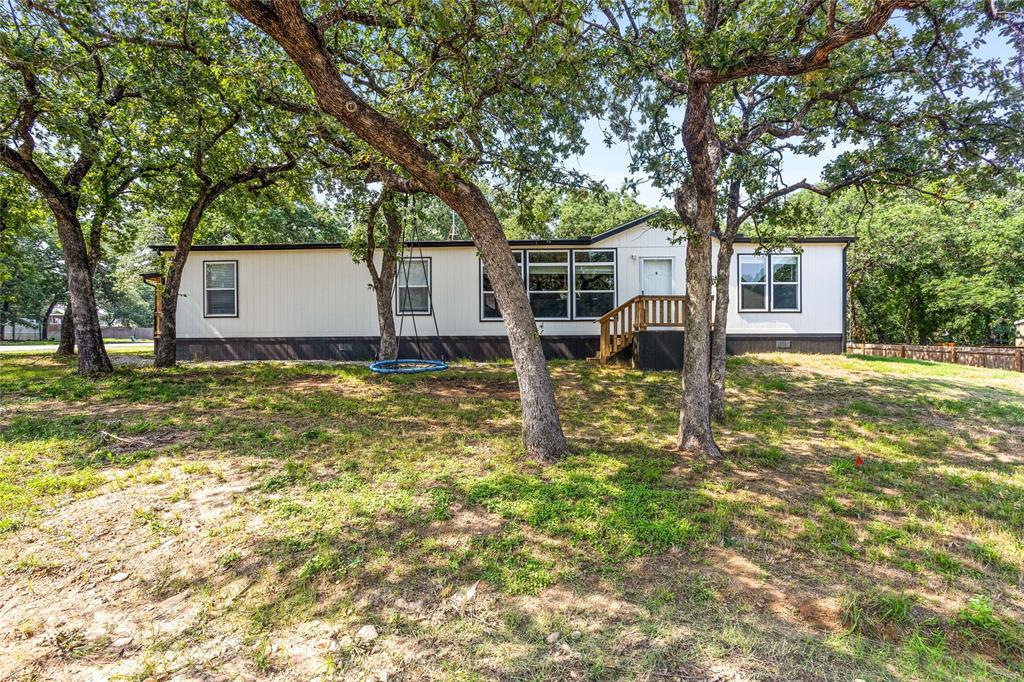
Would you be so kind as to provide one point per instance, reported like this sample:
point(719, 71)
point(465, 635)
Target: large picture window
point(769, 282)
point(593, 283)
point(413, 289)
point(488, 302)
point(220, 288)
point(547, 284)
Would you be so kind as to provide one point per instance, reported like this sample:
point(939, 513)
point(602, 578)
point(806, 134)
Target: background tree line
point(934, 267)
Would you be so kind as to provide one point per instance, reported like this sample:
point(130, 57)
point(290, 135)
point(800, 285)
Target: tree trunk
point(542, 431)
point(4, 310)
point(285, 22)
point(696, 205)
point(44, 324)
point(718, 331)
point(726, 243)
point(66, 345)
point(386, 321)
point(165, 352)
point(384, 281)
point(92, 356)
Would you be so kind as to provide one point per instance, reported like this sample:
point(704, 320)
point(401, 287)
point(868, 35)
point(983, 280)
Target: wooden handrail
point(620, 325)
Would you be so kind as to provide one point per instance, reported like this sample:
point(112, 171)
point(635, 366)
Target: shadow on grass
point(414, 488)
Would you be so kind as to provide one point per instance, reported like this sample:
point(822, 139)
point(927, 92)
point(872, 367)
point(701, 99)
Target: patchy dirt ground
point(133, 564)
point(314, 522)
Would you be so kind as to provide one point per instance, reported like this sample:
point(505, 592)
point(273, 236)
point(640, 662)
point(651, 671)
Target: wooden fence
point(976, 356)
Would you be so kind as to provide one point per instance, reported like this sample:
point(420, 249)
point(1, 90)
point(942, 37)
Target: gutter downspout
point(845, 296)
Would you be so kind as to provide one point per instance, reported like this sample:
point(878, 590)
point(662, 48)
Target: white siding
point(821, 289)
point(322, 292)
point(645, 242)
point(311, 292)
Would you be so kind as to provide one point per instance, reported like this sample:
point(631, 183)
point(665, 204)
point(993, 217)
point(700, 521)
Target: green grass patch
point(344, 494)
point(877, 613)
point(984, 630)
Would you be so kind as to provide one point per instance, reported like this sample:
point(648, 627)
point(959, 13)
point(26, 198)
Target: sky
point(610, 164)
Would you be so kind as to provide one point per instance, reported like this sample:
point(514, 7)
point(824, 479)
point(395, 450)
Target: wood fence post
point(954, 354)
point(1018, 360)
point(903, 350)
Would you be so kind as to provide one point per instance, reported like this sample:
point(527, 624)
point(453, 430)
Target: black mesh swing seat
point(419, 364)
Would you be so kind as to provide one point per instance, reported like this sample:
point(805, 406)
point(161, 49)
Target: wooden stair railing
point(620, 325)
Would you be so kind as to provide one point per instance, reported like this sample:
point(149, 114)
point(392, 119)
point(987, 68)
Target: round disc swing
point(418, 364)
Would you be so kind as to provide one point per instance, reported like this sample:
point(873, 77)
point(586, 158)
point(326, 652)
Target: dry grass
point(218, 521)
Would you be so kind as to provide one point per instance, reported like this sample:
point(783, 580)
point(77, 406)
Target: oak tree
point(712, 96)
point(71, 120)
point(224, 137)
point(441, 90)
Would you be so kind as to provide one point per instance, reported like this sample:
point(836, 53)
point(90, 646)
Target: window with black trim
point(488, 301)
point(220, 288)
point(753, 272)
point(769, 282)
point(593, 283)
point(413, 290)
point(547, 284)
point(785, 275)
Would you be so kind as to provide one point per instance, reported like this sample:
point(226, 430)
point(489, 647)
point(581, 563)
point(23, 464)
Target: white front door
point(656, 276)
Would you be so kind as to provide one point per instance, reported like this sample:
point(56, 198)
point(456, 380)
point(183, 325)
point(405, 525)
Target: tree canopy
point(924, 269)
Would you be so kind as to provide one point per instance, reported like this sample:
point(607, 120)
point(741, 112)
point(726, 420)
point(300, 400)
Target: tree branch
point(817, 57)
point(825, 191)
point(343, 13)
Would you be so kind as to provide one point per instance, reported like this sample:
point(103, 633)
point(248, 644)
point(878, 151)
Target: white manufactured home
point(621, 290)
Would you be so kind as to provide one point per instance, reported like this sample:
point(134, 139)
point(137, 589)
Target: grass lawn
point(250, 521)
point(52, 342)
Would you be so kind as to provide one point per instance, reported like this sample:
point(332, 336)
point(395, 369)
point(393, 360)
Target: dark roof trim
point(581, 241)
point(803, 240)
point(625, 226)
point(161, 248)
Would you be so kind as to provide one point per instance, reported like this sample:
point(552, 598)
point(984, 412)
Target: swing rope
point(418, 364)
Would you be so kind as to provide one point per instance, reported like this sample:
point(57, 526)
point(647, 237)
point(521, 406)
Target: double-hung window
point(593, 282)
point(769, 282)
point(785, 275)
point(220, 288)
point(547, 284)
point(488, 302)
point(413, 290)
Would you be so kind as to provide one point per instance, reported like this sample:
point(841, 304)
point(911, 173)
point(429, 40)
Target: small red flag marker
point(859, 463)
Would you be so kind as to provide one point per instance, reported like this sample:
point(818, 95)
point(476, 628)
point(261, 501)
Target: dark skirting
point(364, 348)
point(652, 349)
